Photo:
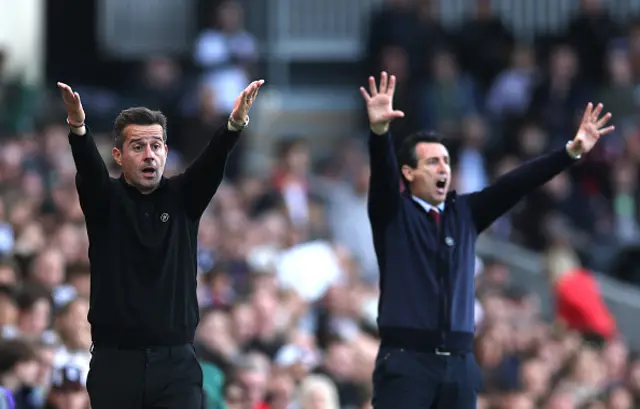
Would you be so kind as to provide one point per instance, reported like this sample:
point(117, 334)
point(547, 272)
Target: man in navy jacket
point(424, 238)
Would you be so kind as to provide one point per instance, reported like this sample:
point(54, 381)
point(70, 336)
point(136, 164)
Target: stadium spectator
point(287, 282)
point(19, 370)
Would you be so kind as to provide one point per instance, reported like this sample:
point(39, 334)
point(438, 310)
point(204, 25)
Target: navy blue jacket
point(427, 289)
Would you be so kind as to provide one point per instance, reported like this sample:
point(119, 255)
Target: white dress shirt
point(427, 206)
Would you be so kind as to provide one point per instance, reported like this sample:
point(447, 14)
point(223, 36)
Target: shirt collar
point(427, 206)
point(163, 182)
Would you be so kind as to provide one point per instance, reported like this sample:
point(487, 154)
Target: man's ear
point(117, 155)
point(407, 172)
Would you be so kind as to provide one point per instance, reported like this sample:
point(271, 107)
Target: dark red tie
point(436, 216)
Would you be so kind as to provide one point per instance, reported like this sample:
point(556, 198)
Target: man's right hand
point(380, 103)
point(73, 105)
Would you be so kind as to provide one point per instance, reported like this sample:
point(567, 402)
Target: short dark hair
point(77, 270)
point(220, 269)
point(407, 152)
point(32, 293)
point(13, 352)
point(9, 262)
point(288, 143)
point(137, 116)
point(10, 293)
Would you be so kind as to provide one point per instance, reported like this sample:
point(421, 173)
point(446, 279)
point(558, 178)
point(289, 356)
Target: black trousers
point(153, 378)
point(424, 380)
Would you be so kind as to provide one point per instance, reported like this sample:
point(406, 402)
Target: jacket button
point(449, 241)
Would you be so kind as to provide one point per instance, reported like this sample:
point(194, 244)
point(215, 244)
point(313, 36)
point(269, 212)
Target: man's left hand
point(240, 113)
point(592, 127)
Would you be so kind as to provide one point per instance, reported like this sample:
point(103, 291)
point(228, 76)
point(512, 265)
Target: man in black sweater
point(424, 236)
point(143, 230)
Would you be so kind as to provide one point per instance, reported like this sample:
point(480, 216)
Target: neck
point(428, 200)
point(138, 188)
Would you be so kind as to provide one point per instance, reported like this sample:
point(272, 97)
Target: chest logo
point(164, 217)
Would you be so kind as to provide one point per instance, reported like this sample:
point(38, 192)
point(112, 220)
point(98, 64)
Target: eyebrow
point(136, 140)
point(437, 157)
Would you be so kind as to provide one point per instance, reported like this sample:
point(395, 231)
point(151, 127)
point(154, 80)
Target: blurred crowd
point(287, 272)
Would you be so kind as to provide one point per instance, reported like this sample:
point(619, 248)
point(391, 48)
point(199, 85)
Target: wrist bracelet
point(74, 125)
point(573, 155)
point(236, 125)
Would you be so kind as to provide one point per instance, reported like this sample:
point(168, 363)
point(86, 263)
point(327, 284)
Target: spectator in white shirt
point(225, 53)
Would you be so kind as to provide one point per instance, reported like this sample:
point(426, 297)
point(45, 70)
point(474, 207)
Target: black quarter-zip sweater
point(143, 247)
point(427, 291)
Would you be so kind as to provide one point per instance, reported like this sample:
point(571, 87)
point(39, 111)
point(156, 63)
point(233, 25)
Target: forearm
point(384, 183)
point(208, 163)
point(495, 200)
point(86, 156)
point(203, 176)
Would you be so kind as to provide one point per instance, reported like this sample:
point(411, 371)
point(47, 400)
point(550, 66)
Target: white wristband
point(573, 155)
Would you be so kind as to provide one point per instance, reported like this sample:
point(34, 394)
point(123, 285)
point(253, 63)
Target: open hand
point(592, 127)
point(241, 107)
point(72, 103)
point(380, 103)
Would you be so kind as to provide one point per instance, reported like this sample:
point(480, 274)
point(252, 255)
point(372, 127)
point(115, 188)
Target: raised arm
point(492, 202)
point(384, 184)
point(92, 177)
point(201, 179)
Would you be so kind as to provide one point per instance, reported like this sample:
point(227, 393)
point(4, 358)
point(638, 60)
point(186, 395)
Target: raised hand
point(73, 104)
point(241, 107)
point(592, 127)
point(380, 103)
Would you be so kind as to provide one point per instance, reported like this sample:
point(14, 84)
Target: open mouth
point(148, 172)
point(441, 185)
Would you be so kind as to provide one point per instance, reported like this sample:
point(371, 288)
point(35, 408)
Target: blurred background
point(287, 271)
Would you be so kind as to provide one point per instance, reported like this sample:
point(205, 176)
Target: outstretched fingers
point(600, 123)
point(606, 130)
point(397, 114)
point(251, 91)
point(604, 120)
point(392, 85)
point(586, 117)
point(387, 86)
point(259, 84)
point(365, 95)
point(596, 112)
point(68, 95)
point(254, 91)
point(384, 82)
point(248, 91)
point(373, 89)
